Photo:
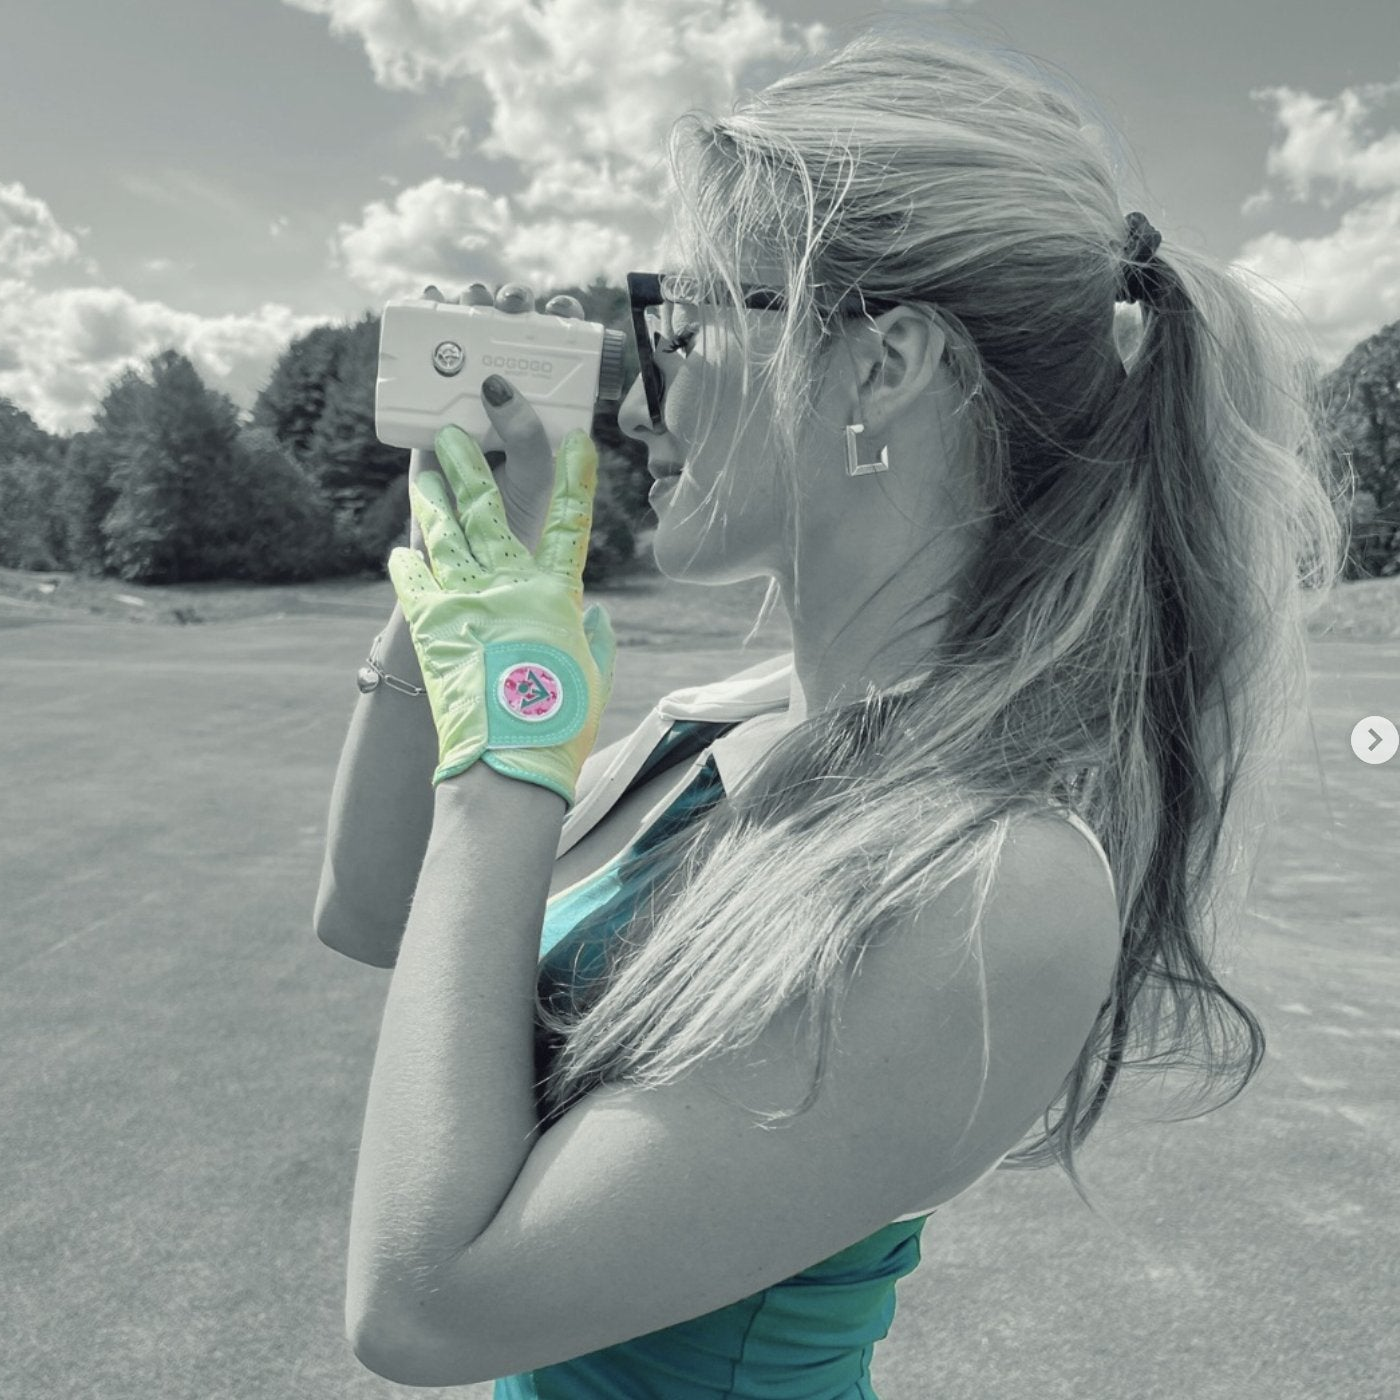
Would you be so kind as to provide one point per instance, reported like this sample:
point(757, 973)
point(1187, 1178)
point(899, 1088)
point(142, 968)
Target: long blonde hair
point(1127, 638)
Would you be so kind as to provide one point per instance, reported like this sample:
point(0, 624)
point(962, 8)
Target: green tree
point(31, 459)
point(344, 455)
point(1361, 413)
point(83, 495)
point(192, 494)
point(290, 404)
point(30, 533)
point(275, 525)
point(21, 436)
point(171, 443)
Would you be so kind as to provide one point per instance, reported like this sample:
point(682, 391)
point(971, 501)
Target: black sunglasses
point(644, 292)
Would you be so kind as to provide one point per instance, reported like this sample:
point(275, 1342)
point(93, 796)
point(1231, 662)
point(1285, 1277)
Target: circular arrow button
point(1375, 739)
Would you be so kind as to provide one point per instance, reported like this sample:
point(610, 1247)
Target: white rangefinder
point(433, 356)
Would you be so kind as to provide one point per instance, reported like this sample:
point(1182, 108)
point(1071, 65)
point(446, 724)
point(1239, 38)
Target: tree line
point(172, 484)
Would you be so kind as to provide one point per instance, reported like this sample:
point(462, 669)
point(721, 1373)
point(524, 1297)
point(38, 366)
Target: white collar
point(756, 697)
point(759, 694)
point(760, 689)
point(739, 750)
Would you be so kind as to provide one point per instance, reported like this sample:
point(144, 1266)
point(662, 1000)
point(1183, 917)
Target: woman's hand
point(517, 673)
point(524, 471)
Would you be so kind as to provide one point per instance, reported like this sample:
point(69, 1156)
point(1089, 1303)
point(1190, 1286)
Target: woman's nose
point(633, 415)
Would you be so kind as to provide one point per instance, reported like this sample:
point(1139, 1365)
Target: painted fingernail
point(515, 297)
point(496, 390)
point(563, 305)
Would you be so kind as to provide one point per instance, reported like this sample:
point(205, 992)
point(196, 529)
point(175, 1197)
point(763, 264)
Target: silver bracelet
point(371, 673)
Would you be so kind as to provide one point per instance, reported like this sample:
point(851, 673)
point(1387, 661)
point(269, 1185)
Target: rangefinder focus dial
point(448, 357)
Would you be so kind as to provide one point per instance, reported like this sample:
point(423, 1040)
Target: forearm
point(451, 1117)
point(381, 811)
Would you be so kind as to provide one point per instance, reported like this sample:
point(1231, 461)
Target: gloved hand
point(517, 674)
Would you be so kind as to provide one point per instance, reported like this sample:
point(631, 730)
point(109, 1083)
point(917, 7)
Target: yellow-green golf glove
point(517, 674)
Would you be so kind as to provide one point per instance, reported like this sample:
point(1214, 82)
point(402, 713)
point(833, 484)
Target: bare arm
point(381, 808)
point(381, 812)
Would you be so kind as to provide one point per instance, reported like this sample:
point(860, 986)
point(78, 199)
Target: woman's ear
point(901, 363)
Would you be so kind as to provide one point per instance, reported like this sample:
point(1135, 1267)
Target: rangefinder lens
point(448, 357)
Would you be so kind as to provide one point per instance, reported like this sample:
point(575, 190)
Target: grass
point(647, 608)
point(187, 1066)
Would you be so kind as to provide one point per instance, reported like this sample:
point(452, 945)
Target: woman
point(1047, 614)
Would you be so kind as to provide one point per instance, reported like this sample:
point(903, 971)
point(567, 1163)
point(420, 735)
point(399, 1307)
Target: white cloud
point(579, 96)
point(1346, 283)
point(450, 233)
point(439, 229)
point(452, 144)
point(60, 350)
point(278, 226)
point(30, 237)
point(566, 252)
point(600, 186)
point(1323, 144)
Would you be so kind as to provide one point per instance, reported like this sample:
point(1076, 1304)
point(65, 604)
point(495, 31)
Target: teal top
point(810, 1337)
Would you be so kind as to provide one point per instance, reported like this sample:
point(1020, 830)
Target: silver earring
point(855, 468)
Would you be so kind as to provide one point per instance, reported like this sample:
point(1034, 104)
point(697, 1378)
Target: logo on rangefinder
point(530, 692)
point(515, 363)
point(448, 357)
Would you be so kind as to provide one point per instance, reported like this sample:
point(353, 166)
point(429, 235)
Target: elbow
point(415, 1339)
point(369, 1358)
point(374, 1357)
point(361, 950)
point(321, 916)
point(373, 949)
point(396, 1357)
point(373, 1349)
point(345, 937)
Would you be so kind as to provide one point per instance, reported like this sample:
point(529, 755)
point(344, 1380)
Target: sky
point(222, 177)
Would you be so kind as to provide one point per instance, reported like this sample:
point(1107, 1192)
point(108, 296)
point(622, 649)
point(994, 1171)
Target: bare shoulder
point(1049, 946)
point(1053, 857)
point(931, 1000)
point(1024, 992)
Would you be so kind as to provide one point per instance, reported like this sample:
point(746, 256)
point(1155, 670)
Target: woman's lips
point(663, 470)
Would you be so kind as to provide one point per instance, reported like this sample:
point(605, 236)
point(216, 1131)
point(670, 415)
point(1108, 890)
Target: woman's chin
point(678, 548)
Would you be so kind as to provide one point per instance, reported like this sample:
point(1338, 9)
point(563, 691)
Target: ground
point(187, 1064)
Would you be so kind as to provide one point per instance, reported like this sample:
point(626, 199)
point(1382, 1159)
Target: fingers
point(518, 426)
point(512, 296)
point(563, 547)
point(411, 577)
point(515, 297)
point(480, 507)
point(437, 518)
point(563, 305)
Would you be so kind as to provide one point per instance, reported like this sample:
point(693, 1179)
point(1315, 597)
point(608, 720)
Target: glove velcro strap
point(536, 695)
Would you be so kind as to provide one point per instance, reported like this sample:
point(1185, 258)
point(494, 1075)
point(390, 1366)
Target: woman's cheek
point(683, 410)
